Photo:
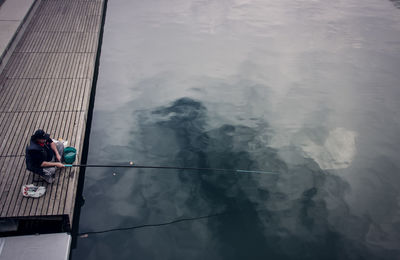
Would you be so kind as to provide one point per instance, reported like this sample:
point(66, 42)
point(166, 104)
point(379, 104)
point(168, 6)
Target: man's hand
point(59, 165)
point(58, 157)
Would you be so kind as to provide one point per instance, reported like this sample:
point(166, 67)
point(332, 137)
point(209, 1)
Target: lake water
point(307, 89)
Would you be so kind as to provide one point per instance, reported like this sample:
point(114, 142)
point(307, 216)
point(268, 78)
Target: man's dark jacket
point(36, 155)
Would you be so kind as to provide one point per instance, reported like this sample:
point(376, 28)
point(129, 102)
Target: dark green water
point(308, 89)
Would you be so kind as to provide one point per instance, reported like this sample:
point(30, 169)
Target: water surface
point(307, 89)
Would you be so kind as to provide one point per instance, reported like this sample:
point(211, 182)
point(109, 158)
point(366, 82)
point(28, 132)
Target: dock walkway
point(46, 84)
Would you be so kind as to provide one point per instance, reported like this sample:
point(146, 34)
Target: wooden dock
point(46, 84)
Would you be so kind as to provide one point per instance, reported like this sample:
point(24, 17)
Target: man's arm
point(51, 164)
point(54, 148)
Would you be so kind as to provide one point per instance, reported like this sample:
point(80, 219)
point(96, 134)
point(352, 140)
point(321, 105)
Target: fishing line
point(167, 167)
point(86, 234)
point(227, 212)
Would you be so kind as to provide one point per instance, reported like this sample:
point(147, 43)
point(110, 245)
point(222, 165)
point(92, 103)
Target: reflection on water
point(331, 149)
point(308, 89)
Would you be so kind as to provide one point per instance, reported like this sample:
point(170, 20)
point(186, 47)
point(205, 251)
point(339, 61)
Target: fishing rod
point(166, 167)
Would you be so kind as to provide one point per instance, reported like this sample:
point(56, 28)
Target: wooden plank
point(44, 103)
point(72, 182)
point(7, 118)
point(58, 71)
point(67, 39)
point(18, 136)
point(66, 174)
point(19, 99)
point(82, 38)
point(54, 39)
point(21, 61)
point(61, 177)
point(5, 72)
point(31, 62)
point(54, 199)
point(10, 178)
point(66, 89)
point(5, 169)
point(37, 89)
point(7, 132)
point(72, 86)
point(60, 96)
point(9, 91)
point(5, 95)
point(13, 133)
point(15, 189)
point(5, 162)
point(42, 41)
point(12, 64)
point(2, 120)
point(83, 98)
point(21, 140)
point(40, 62)
point(47, 66)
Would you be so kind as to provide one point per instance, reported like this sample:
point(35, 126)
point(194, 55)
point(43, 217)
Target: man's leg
point(48, 174)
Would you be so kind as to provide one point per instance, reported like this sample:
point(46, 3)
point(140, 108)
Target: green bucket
point(69, 154)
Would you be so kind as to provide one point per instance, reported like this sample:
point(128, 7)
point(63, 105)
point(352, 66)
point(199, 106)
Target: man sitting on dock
point(43, 156)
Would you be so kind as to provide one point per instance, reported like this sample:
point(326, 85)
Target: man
point(43, 156)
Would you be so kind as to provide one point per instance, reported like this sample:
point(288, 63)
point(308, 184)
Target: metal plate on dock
point(36, 247)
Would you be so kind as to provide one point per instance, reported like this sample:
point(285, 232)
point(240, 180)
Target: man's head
point(40, 136)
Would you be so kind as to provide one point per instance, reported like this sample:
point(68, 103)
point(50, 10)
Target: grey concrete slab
point(36, 247)
point(15, 10)
point(12, 14)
